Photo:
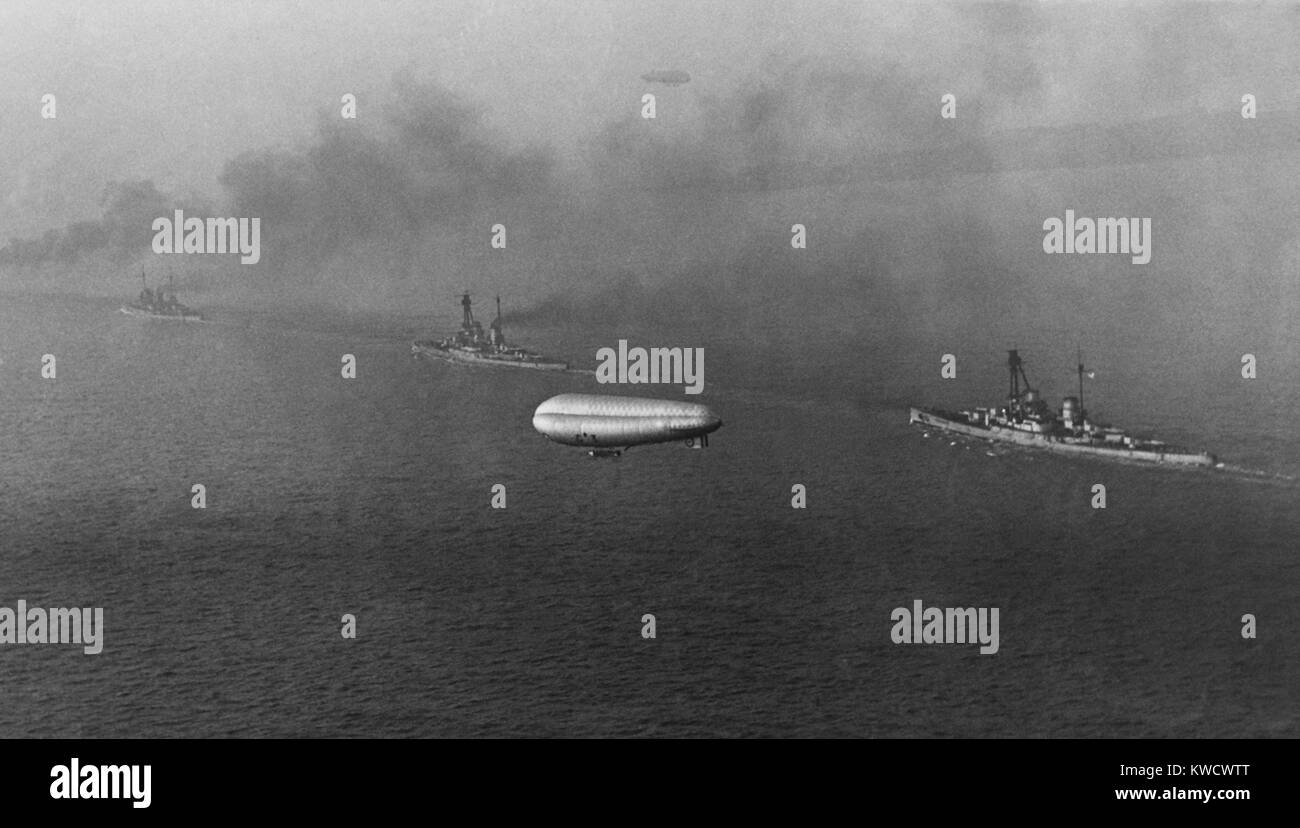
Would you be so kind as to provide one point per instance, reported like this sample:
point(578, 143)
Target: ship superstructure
point(1027, 419)
point(160, 303)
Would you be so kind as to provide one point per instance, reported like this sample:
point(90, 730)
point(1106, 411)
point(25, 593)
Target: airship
point(607, 424)
point(669, 77)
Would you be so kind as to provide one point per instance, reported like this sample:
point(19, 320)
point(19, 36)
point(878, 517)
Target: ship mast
point(1079, 355)
point(468, 323)
point(1017, 374)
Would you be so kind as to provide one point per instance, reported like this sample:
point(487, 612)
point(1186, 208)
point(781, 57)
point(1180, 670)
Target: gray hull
point(937, 419)
point(178, 317)
point(420, 349)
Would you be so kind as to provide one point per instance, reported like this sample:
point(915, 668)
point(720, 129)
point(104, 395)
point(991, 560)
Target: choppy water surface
point(371, 496)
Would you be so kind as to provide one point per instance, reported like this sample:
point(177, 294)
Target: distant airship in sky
point(670, 77)
point(606, 424)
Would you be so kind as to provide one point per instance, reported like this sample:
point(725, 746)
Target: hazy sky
point(172, 90)
point(527, 113)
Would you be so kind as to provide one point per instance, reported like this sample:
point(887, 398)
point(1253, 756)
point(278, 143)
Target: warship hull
point(434, 351)
point(951, 422)
point(179, 316)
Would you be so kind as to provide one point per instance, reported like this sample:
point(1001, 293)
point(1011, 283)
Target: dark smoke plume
point(123, 234)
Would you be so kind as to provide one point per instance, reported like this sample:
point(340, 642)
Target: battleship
point(471, 345)
point(159, 304)
point(1027, 420)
